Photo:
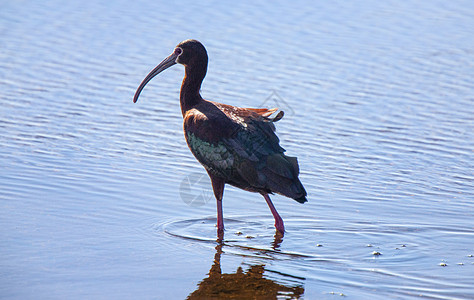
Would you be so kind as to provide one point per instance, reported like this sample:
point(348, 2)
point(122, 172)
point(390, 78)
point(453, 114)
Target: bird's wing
point(224, 138)
point(255, 136)
point(267, 112)
point(240, 146)
point(260, 163)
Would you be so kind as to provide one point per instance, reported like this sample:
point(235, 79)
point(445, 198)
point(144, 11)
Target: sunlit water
point(100, 197)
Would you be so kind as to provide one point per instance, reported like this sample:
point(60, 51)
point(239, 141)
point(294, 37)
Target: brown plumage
point(237, 146)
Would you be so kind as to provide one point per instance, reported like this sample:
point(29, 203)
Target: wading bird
point(237, 146)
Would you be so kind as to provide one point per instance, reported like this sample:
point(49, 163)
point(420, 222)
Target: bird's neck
point(190, 96)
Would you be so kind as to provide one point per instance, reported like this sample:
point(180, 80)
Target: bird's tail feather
point(281, 173)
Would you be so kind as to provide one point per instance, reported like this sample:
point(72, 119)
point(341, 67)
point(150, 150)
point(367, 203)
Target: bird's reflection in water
point(250, 284)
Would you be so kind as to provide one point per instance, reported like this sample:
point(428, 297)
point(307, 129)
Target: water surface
point(100, 198)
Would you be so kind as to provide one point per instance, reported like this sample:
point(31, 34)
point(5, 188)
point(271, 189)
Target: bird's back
point(240, 146)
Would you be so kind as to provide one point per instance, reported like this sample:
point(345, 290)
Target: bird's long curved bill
point(165, 64)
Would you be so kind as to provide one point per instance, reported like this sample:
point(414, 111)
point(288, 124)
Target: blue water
point(100, 198)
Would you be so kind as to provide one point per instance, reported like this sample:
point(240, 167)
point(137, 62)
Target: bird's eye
point(178, 51)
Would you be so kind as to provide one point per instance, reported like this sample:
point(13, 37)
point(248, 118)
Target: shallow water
point(100, 197)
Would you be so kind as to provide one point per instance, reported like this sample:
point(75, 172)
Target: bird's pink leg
point(220, 216)
point(218, 187)
point(278, 220)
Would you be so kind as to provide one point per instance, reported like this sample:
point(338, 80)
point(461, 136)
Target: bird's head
point(187, 53)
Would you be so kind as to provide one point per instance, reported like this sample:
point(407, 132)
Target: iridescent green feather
point(215, 157)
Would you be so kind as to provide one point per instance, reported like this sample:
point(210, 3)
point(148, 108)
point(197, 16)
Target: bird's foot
point(220, 233)
point(280, 227)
